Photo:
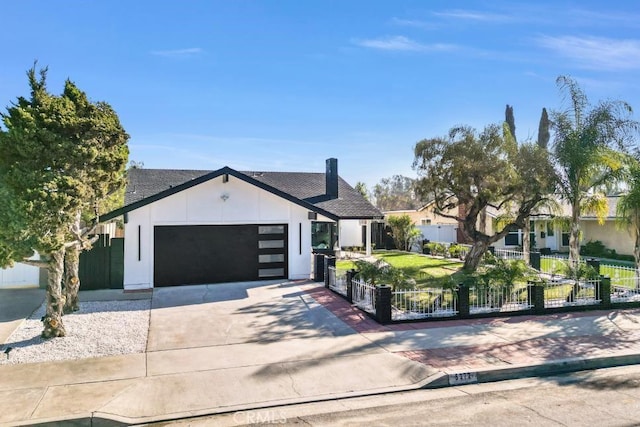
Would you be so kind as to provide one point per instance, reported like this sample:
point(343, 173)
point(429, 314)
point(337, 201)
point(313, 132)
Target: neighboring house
point(424, 215)
point(196, 227)
point(546, 233)
point(434, 227)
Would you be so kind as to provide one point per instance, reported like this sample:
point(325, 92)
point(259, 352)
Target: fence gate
point(102, 267)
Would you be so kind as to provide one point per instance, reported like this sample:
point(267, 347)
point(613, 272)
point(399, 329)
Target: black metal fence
point(463, 302)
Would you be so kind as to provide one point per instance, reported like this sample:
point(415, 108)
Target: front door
point(551, 240)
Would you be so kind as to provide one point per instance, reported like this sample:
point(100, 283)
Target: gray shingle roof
point(143, 183)
point(307, 187)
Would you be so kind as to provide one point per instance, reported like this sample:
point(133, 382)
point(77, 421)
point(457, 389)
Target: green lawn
point(425, 270)
point(345, 265)
point(619, 276)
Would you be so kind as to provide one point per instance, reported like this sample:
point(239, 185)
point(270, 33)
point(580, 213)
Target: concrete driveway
point(224, 347)
point(237, 313)
point(16, 304)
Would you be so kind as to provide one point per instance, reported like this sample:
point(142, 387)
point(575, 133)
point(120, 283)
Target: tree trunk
point(574, 236)
point(52, 320)
point(483, 221)
point(71, 267)
point(71, 278)
point(474, 256)
point(526, 240)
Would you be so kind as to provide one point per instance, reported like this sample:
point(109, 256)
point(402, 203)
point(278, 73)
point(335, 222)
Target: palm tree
point(585, 152)
point(628, 208)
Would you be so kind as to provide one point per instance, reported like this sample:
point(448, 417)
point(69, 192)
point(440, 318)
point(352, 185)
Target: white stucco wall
point(203, 205)
point(609, 234)
point(20, 275)
point(350, 233)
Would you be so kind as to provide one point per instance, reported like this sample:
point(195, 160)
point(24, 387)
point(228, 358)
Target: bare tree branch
point(35, 263)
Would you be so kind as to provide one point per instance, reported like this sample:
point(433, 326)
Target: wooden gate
point(102, 267)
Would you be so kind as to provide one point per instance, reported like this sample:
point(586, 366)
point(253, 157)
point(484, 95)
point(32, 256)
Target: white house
point(195, 227)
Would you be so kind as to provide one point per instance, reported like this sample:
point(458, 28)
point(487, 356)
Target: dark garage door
point(199, 254)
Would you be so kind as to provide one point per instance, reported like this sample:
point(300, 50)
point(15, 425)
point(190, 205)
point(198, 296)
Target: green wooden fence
point(102, 267)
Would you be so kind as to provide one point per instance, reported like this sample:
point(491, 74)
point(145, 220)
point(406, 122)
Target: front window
point(513, 238)
point(323, 235)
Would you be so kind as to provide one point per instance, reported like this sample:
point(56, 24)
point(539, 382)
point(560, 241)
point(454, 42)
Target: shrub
point(455, 250)
point(581, 271)
point(594, 248)
point(397, 279)
point(489, 259)
point(371, 272)
point(436, 248)
point(503, 273)
point(405, 234)
point(379, 272)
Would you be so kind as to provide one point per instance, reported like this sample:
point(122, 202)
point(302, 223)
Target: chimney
point(332, 178)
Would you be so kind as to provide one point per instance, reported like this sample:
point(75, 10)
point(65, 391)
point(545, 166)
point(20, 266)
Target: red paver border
point(526, 352)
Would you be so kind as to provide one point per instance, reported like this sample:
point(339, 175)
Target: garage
point(200, 254)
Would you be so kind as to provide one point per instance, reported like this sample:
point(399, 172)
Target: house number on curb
point(463, 378)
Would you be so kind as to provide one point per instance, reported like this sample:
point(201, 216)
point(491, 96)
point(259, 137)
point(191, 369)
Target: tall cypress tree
point(51, 157)
point(511, 121)
point(543, 130)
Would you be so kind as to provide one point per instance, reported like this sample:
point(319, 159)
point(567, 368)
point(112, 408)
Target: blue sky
point(283, 85)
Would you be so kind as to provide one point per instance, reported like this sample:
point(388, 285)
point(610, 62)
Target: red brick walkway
point(527, 352)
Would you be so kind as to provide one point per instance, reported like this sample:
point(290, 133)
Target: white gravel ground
point(99, 328)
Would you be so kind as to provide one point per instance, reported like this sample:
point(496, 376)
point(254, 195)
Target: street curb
point(544, 369)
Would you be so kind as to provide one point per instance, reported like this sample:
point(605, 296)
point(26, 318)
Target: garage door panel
point(199, 254)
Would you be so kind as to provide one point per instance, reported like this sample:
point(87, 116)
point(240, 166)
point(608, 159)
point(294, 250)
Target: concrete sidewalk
point(259, 345)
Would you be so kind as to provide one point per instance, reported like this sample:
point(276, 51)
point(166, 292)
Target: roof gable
point(146, 186)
